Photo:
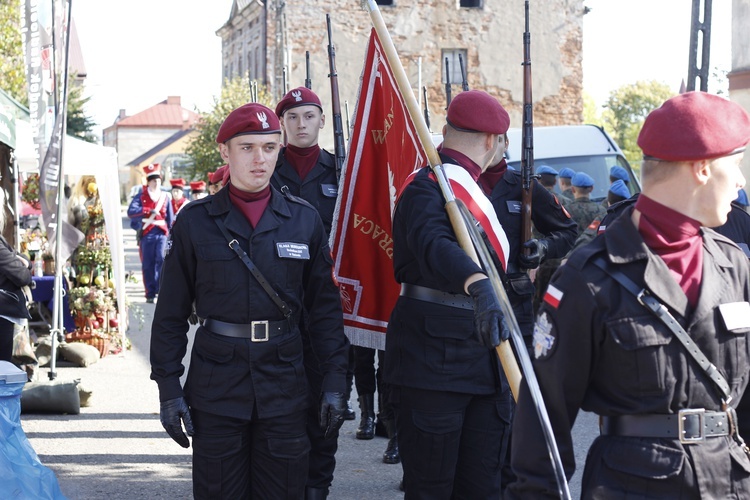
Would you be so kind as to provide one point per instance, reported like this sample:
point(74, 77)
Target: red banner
point(384, 149)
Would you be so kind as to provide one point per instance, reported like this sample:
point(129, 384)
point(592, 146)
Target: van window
point(596, 166)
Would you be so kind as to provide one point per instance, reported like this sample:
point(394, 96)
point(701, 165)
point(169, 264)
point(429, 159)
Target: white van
point(583, 148)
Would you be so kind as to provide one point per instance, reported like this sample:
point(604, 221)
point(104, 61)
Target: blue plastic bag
point(22, 475)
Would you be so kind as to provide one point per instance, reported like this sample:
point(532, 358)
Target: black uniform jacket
point(13, 273)
point(320, 187)
point(547, 214)
point(227, 375)
point(600, 350)
point(428, 345)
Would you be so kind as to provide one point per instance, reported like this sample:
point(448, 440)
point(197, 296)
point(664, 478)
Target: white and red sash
point(159, 218)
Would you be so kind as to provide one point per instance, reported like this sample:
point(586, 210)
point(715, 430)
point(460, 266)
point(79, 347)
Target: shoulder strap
point(234, 245)
point(661, 312)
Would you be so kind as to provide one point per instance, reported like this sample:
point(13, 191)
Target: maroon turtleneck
point(677, 240)
point(466, 162)
point(302, 159)
point(252, 205)
point(490, 177)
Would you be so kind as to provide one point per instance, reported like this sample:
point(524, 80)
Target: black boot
point(391, 454)
point(316, 494)
point(366, 428)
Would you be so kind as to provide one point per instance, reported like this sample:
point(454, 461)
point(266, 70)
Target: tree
point(12, 68)
point(590, 113)
point(77, 123)
point(203, 148)
point(627, 108)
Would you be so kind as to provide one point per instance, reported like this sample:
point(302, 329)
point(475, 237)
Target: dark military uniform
point(550, 222)
point(248, 398)
point(453, 404)
point(600, 350)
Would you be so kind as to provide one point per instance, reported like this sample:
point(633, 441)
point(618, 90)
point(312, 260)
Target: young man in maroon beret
point(453, 403)
point(647, 326)
point(252, 260)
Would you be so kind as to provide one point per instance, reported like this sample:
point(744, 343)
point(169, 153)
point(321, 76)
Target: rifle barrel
point(447, 83)
point(338, 128)
point(464, 83)
point(308, 81)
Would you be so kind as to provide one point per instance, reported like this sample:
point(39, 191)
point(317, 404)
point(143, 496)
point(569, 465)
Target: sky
point(139, 52)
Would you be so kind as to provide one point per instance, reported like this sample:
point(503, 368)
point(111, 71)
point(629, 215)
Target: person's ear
point(701, 171)
point(224, 151)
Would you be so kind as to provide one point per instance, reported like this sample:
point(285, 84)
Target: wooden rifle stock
point(338, 127)
point(527, 139)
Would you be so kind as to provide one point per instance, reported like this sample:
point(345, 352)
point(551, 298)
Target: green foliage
point(77, 123)
point(591, 114)
point(627, 108)
point(203, 148)
point(12, 68)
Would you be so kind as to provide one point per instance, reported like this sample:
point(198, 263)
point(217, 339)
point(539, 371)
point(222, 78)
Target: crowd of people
point(271, 369)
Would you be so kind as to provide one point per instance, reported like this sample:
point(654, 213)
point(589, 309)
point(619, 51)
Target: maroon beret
point(301, 96)
point(694, 126)
point(252, 118)
point(477, 111)
point(218, 176)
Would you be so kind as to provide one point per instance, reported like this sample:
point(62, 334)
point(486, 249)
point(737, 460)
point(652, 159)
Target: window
point(453, 64)
point(477, 4)
point(384, 2)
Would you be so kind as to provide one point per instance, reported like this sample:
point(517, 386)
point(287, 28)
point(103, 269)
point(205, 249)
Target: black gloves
point(172, 414)
point(488, 317)
point(536, 256)
point(332, 408)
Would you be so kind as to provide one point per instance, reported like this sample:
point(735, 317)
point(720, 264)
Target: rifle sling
point(661, 312)
point(234, 245)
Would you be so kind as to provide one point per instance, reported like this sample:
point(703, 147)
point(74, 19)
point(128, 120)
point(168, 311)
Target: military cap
point(617, 172)
point(301, 96)
point(546, 169)
point(252, 118)
point(477, 111)
point(620, 189)
point(694, 126)
point(582, 180)
point(177, 183)
point(218, 176)
point(152, 171)
point(567, 173)
point(197, 186)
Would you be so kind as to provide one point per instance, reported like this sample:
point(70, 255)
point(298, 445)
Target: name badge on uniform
point(329, 190)
point(514, 207)
point(736, 315)
point(288, 250)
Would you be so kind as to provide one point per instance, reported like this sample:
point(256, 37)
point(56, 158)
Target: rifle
point(283, 81)
point(426, 108)
point(469, 239)
point(447, 84)
point(348, 126)
point(338, 128)
point(527, 138)
point(464, 83)
point(308, 82)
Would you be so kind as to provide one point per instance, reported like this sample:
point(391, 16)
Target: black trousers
point(451, 444)
point(322, 461)
point(6, 339)
point(259, 458)
point(366, 378)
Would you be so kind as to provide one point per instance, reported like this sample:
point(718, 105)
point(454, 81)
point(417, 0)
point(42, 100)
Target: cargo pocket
point(291, 375)
point(642, 466)
point(215, 273)
point(452, 339)
point(640, 359)
point(437, 440)
point(210, 356)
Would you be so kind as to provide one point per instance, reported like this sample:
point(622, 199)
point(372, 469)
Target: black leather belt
point(436, 296)
point(257, 331)
point(688, 425)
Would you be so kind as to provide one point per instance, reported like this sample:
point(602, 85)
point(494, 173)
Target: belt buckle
point(682, 415)
point(263, 327)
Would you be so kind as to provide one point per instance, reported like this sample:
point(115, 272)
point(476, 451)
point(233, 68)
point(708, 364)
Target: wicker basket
point(101, 343)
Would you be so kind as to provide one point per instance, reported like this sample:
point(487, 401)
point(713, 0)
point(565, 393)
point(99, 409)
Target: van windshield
point(596, 166)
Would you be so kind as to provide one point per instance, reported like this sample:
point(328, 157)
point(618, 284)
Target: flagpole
point(504, 351)
point(57, 331)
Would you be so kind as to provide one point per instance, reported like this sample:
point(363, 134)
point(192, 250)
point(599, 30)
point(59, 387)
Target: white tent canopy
point(83, 158)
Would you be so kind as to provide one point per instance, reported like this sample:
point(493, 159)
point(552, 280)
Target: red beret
point(177, 183)
point(152, 170)
point(197, 186)
point(218, 176)
point(301, 96)
point(694, 126)
point(477, 111)
point(252, 118)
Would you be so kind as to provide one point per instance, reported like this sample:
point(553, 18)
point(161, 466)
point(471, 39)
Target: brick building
point(262, 38)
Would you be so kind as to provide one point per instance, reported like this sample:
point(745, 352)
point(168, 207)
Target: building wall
point(739, 77)
point(491, 35)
